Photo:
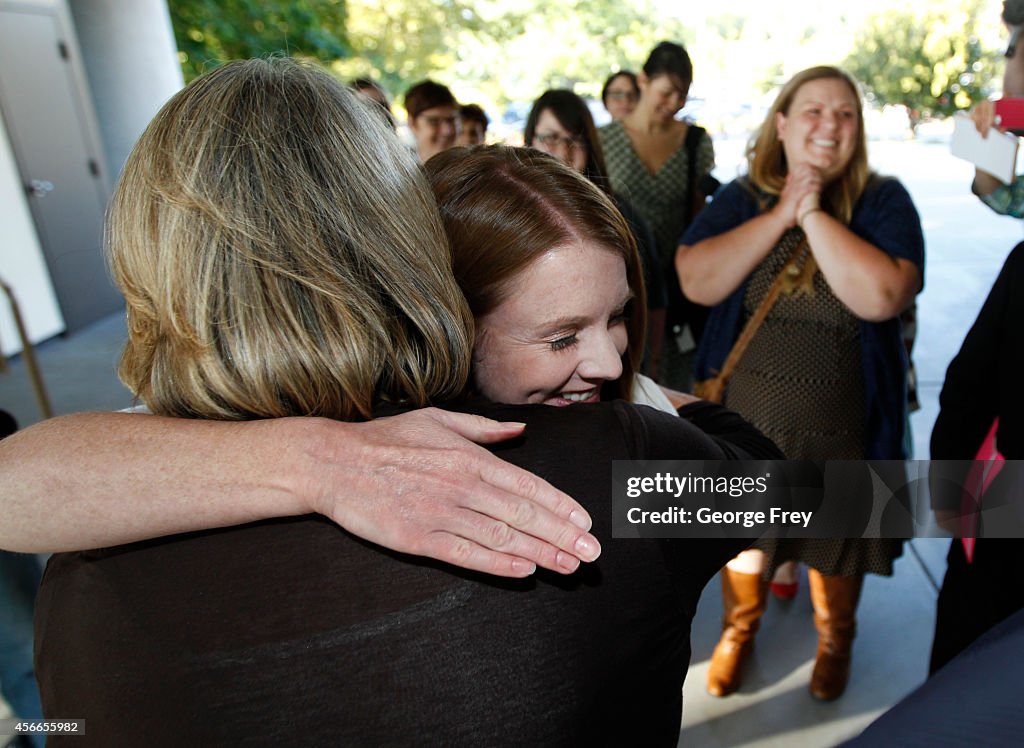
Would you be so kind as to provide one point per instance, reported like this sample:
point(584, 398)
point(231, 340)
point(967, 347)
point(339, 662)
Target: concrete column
point(131, 61)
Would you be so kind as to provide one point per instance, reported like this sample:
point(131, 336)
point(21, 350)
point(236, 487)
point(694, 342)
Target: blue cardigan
point(886, 217)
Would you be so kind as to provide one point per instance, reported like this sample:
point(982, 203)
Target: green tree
point(401, 42)
point(500, 51)
point(493, 52)
point(599, 36)
point(932, 61)
point(211, 31)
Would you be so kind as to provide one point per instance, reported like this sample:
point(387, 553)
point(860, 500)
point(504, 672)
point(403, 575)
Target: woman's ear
point(780, 125)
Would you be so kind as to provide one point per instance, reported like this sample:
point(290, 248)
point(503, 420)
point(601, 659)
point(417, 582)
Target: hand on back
point(417, 483)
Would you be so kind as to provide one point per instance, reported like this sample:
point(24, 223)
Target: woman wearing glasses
point(620, 93)
point(433, 118)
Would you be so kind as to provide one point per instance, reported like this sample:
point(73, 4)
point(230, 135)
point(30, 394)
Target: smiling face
point(552, 138)
point(435, 130)
point(821, 127)
point(560, 332)
point(663, 95)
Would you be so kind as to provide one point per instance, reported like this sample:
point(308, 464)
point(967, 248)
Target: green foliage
point(499, 51)
point(209, 32)
point(401, 42)
point(598, 37)
point(490, 51)
point(932, 61)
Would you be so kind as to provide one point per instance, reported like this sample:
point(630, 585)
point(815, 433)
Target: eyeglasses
point(621, 95)
point(436, 121)
point(554, 140)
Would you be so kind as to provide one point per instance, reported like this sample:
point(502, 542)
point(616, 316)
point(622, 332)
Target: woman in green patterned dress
point(651, 157)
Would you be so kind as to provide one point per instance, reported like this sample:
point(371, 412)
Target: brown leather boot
point(743, 598)
point(835, 604)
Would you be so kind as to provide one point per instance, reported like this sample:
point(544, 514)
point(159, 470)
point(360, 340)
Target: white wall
point(21, 262)
point(131, 61)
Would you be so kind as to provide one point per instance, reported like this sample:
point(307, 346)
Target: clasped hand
point(801, 193)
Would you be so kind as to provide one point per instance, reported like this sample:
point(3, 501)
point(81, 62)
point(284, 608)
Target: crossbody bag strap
point(693, 136)
point(715, 387)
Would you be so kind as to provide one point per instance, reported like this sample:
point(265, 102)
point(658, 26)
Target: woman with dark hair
point(658, 163)
point(560, 124)
point(620, 94)
point(825, 372)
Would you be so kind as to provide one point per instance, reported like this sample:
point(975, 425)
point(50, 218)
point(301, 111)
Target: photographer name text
point(679, 516)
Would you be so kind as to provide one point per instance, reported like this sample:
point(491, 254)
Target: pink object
point(987, 464)
point(1010, 113)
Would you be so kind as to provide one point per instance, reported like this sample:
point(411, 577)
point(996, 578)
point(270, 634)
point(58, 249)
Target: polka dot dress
point(800, 381)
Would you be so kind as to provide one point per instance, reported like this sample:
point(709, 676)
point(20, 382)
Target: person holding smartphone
point(1005, 199)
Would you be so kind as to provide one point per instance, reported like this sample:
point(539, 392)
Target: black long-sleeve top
point(292, 630)
point(986, 378)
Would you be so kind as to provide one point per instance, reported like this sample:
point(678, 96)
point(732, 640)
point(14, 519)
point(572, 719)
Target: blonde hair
point(281, 254)
point(767, 160)
point(504, 207)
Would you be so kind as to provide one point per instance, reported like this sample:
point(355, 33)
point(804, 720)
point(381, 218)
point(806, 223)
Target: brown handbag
point(713, 389)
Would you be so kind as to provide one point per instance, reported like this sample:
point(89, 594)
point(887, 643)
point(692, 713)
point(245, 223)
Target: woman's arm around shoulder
point(737, 437)
point(699, 431)
point(415, 483)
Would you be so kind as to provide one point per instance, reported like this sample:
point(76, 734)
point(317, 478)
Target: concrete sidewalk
point(774, 708)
